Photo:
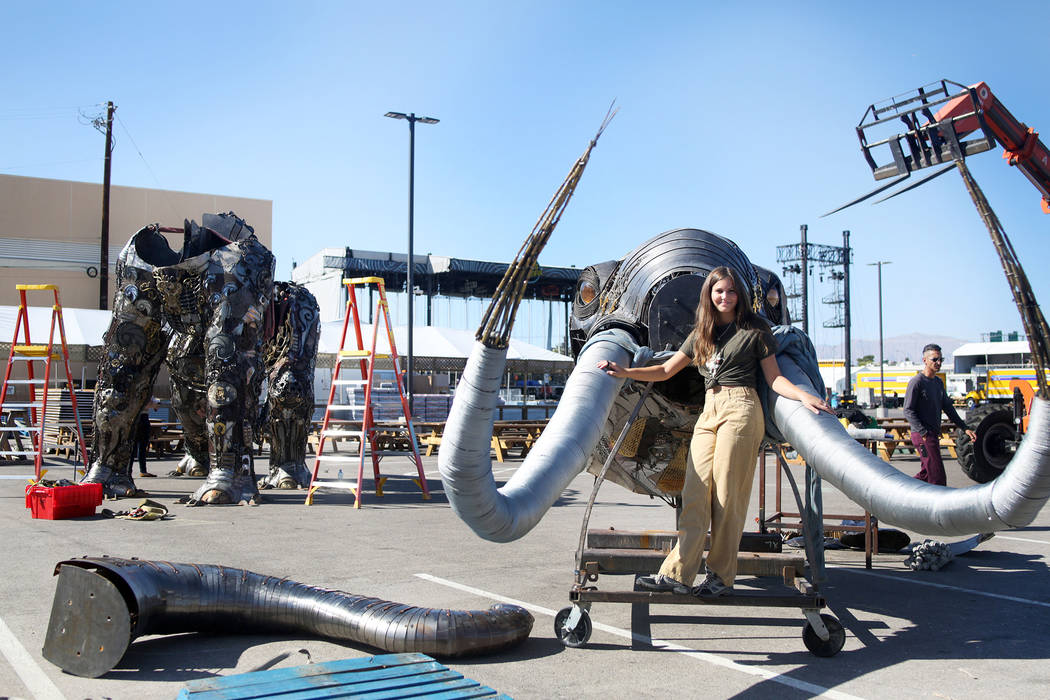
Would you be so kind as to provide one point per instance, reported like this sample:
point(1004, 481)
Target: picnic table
point(515, 433)
point(15, 418)
point(333, 442)
point(390, 435)
point(900, 437)
point(506, 435)
point(166, 438)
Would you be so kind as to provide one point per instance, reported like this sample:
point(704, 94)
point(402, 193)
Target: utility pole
point(882, 362)
point(103, 265)
point(802, 254)
point(805, 280)
point(846, 319)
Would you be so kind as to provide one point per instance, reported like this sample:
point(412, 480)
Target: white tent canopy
point(431, 341)
point(83, 326)
point(87, 327)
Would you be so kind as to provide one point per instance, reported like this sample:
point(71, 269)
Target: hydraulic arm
point(946, 121)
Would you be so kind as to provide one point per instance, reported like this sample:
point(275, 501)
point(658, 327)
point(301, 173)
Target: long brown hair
point(704, 328)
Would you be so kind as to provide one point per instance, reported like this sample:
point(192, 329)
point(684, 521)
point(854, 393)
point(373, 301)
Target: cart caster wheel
point(835, 641)
point(577, 636)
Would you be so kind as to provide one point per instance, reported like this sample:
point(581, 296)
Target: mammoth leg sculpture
point(102, 604)
point(290, 357)
point(237, 288)
point(135, 344)
point(189, 395)
point(213, 295)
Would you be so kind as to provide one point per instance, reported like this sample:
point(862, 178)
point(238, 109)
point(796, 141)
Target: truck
point(893, 381)
point(994, 385)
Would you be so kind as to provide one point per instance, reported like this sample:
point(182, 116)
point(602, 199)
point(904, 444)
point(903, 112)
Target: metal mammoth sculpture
point(289, 355)
point(206, 310)
point(646, 300)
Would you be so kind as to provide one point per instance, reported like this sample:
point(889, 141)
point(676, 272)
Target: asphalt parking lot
point(976, 628)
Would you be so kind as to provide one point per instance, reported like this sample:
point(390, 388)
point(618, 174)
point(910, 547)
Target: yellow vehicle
point(996, 386)
point(894, 381)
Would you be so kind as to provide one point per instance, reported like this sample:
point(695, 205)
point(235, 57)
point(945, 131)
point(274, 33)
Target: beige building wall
point(50, 231)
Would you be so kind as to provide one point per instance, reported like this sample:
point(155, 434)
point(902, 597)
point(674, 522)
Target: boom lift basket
point(936, 118)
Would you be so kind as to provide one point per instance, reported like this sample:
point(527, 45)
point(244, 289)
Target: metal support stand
point(641, 553)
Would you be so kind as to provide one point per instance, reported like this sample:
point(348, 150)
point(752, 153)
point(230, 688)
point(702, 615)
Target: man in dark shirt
point(140, 445)
point(923, 403)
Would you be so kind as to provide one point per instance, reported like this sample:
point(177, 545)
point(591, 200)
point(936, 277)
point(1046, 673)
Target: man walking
point(923, 403)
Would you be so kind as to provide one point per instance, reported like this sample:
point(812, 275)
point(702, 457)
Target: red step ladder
point(376, 438)
point(23, 350)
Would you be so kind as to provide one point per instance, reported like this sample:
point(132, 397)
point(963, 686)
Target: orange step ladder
point(23, 350)
point(376, 438)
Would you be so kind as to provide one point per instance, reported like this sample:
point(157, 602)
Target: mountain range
point(899, 348)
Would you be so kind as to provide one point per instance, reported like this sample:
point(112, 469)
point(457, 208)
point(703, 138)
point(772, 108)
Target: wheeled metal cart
point(623, 552)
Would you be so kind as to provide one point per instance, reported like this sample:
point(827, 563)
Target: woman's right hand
point(612, 369)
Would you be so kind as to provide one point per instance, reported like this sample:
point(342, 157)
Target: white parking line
point(1019, 539)
point(34, 678)
point(706, 657)
point(931, 584)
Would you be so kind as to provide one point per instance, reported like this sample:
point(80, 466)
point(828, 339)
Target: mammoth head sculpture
point(646, 300)
point(652, 294)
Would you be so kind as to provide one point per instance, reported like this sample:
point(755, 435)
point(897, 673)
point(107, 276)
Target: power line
point(167, 199)
point(139, 151)
point(39, 113)
point(12, 168)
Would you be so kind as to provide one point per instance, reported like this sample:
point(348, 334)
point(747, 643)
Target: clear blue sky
point(738, 119)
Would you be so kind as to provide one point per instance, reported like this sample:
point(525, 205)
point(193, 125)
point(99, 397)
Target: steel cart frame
point(823, 634)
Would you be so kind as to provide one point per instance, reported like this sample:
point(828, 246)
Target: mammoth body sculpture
point(204, 310)
point(289, 355)
point(648, 300)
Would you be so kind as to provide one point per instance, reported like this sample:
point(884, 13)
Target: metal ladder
point(23, 350)
point(373, 435)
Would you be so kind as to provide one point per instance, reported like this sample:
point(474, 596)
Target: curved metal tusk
point(505, 514)
point(1012, 500)
point(102, 604)
point(562, 451)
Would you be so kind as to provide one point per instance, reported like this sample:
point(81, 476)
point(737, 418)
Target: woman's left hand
point(814, 403)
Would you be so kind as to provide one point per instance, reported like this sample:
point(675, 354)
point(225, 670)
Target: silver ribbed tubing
point(897, 499)
point(561, 452)
point(1011, 500)
point(169, 598)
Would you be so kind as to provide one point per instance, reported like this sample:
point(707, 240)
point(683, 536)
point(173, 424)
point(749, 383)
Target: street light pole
point(882, 362)
point(409, 282)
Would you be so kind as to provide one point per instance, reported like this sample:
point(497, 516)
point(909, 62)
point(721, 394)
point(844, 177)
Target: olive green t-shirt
point(737, 355)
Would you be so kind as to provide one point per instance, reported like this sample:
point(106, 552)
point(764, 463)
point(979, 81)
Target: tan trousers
point(717, 487)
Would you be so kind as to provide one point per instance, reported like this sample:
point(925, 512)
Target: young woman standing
point(729, 345)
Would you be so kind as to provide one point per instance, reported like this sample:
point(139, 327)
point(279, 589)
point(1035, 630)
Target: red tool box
point(61, 502)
